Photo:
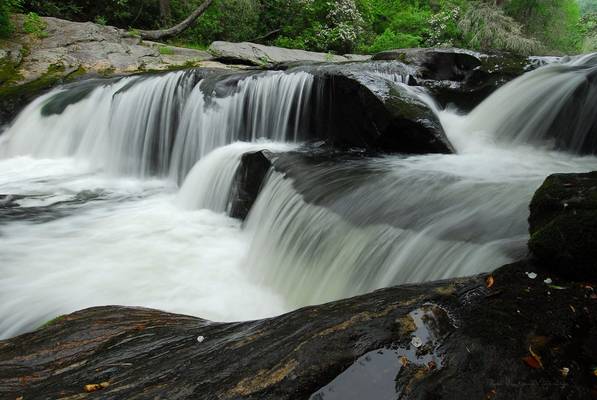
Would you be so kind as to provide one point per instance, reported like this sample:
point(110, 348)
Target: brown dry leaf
point(404, 361)
point(535, 356)
point(19, 398)
point(491, 394)
point(96, 386)
point(431, 365)
point(531, 362)
point(489, 281)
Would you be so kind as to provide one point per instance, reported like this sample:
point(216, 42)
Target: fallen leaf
point(404, 361)
point(531, 362)
point(565, 371)
point(531, 275)
point(20, 398)
point(491, 394)
point(573, 309)
point(489, 281)
point(96, 386)
point(535, 356)
point(431, 365)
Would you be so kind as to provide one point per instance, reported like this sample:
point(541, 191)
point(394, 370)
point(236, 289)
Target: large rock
point(458, 76)
point(248, 179)
point(563, 224)
point(356, 108)
point(29, 65)
point(261, 55)
point(454, 339)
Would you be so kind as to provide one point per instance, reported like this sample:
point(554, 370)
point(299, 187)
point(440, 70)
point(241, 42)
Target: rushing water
point(118, 193)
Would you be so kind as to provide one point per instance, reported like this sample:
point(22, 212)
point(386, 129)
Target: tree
point(165, 12)
point(159, 34)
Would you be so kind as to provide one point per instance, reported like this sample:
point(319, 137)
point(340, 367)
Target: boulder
point(261, 55)
point(354, 108)
point(455, 339)
point(563, 224)
point(461, 77)
point(248, 179)
point(70, 50)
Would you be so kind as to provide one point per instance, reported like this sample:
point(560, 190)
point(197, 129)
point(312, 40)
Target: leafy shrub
point(393, 40)
point(100, 20)
point(6, 7)
point(444, 30)
point(34, 25)
point(487, 27)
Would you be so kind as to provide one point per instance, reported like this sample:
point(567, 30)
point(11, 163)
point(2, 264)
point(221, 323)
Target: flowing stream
point(117, 192)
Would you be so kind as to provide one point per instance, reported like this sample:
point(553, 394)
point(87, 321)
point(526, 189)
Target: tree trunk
point(165, 13)
point(176, 29)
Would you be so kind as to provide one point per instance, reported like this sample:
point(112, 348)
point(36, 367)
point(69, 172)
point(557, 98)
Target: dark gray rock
point(248, 179)
point(563, 224)
point(474, 342)
point(458, 76)
point(356, 108)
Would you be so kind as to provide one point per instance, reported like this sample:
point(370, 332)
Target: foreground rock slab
point(456, 339)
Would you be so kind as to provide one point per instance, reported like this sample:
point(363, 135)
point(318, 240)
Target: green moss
point(52, 321)
point(166, 50)
point(9, 73)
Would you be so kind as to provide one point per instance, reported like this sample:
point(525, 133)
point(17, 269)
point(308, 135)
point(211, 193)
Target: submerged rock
point(443, 340)
point(563, 224)
point(458, 76)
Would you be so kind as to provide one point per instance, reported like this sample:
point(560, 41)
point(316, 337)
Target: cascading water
point(158, 125)
point(553, 106)
point(96, 215)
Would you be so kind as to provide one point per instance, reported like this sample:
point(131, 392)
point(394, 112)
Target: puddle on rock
point(383, 373)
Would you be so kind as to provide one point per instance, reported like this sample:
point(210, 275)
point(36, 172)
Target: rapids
point(117, 192)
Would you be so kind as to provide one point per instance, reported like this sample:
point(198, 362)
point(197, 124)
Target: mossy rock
point(13, 96)
point(563, 224)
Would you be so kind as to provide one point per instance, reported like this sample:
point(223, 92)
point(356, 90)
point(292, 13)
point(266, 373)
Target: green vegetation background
point(347, 26)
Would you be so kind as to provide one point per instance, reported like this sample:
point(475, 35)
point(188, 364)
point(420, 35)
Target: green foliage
point(390, 39)
point(588, 29)
point(100, 20)
point(487, 27)
point(6, 8)
point(34, 25)
point(553, 22)
point(344, 26)
point(166, 50)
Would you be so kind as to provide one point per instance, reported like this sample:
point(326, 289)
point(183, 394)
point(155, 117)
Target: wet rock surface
point(353, 106)
point(248, 180)
point(29, 65)
point(461, 77)
point(450, 339)
point(563, 224)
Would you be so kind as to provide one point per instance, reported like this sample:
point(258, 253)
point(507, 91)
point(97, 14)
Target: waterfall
point(210, 182)
point(158, 125)
point(343, 229)
point(553, 106)
point(119, 191)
